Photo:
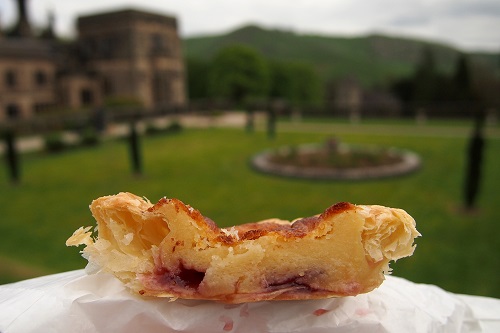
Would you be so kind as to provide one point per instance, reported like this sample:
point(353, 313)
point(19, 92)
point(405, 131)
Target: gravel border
point(410, 163)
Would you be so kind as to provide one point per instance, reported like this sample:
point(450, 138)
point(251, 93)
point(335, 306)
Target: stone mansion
point(127, 55)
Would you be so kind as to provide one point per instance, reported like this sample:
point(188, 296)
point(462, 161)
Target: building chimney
point(49, 32)
point(23, 27)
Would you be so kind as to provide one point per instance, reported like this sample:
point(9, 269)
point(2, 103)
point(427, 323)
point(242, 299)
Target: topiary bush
point(89, 137)
point(54, 142)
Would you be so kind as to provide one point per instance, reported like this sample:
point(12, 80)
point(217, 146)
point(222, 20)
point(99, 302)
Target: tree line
point(468, 88)
point(239, 74)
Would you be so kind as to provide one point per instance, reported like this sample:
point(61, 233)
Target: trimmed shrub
point(89, 137)
point(54, 142)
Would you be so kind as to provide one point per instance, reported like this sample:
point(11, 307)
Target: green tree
point(197, 78)
point(308, 86)
point(424, 79)
point(239, 74)
point(282, 83)
point(298, 83)
point(462, 80)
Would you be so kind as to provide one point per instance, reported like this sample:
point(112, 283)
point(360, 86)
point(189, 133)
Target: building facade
point(27, 78)
point(127, 55)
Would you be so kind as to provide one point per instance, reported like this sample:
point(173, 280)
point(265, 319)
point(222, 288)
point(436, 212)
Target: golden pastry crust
point(171, 250)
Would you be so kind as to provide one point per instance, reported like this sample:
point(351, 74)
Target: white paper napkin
point(76, 302)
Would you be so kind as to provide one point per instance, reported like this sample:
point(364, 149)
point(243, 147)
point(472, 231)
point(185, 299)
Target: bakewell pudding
point(170, 249)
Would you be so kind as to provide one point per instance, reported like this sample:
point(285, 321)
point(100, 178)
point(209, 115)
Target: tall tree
point(463, 81)
point(197, 78)
point(308, 86)
point(296, 82)
point(239, 73)
point(424, 79)
point(281, 80)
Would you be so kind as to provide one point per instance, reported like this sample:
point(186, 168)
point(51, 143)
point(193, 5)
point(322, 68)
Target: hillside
point(373, 59)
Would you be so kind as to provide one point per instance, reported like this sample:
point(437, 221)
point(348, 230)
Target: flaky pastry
point(171, 250)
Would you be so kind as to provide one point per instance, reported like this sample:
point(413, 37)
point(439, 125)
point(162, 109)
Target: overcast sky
point(465, 24)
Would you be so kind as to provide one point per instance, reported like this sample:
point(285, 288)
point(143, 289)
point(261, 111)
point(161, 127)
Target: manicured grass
point(209, 169)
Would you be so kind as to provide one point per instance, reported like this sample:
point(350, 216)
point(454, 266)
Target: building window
point(40, 108)
point(13, 111)
point(40, 78)
point(162, 90)
point(158, 44)
point(107, 86)
point(106, 47)
point(88, 47)
point(10, 79)
point(86, 97)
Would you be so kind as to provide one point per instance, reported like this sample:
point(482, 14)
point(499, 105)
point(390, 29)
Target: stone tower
point(137, 54)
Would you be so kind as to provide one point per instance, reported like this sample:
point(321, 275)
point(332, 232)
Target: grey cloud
point(472, 8)
point(417, 19)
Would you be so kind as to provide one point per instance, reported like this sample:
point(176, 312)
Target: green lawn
point(209, 169)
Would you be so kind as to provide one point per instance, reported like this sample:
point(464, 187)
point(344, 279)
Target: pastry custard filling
point(171, 250)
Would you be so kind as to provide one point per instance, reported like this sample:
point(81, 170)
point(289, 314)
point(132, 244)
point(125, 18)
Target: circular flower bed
point(334, 160)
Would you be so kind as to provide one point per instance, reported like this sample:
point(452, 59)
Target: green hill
point(373, 59)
